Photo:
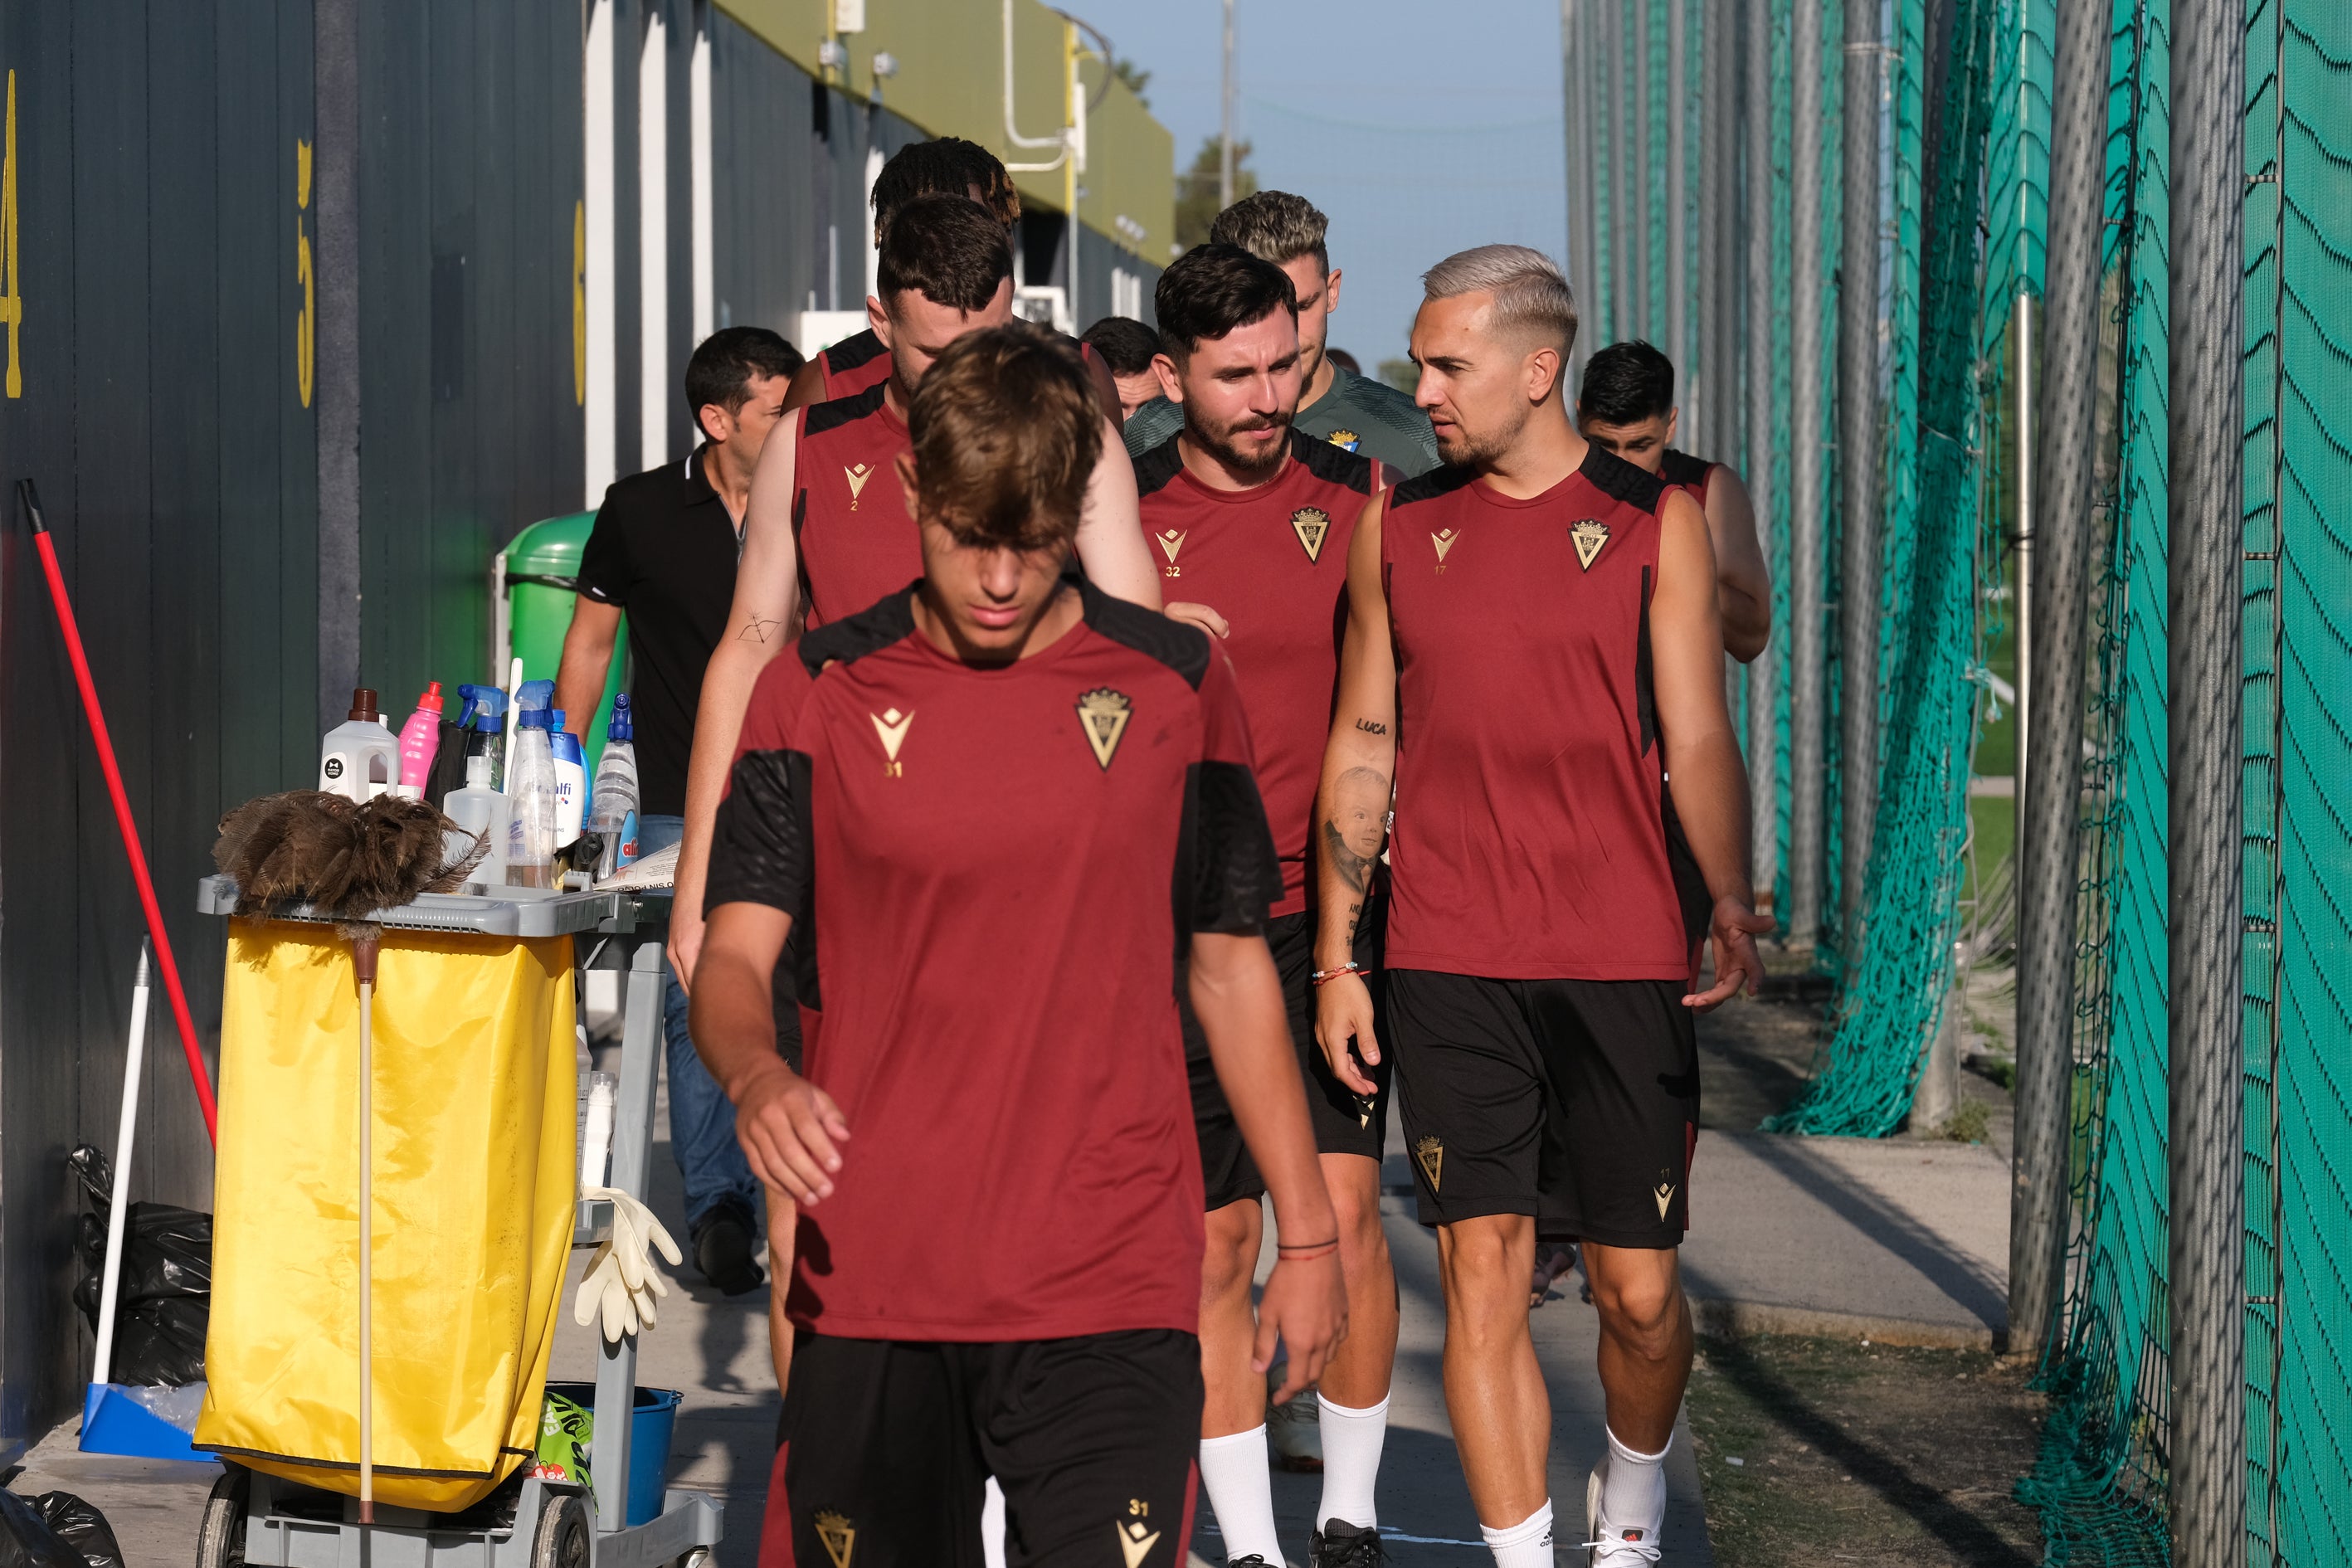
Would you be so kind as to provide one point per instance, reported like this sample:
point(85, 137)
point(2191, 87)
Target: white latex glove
point(623, 1284)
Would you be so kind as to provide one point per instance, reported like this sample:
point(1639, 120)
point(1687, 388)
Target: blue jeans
point(702, 1121)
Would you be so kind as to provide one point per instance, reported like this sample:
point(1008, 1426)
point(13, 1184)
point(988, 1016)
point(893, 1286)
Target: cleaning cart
point(259, 1516)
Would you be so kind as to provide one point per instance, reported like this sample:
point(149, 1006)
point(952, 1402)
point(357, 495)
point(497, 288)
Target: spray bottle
point(420, 738)
point(487, 737)
point(613, 810)
point(571, 780)
point(531, 786)
point(484, 814)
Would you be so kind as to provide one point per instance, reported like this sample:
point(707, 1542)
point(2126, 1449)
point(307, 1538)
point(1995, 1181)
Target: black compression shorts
point(891, 1444)
point(1345, 1122)
point(1572, 1100)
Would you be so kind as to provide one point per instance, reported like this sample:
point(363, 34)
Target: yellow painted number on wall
point(12, 303)
point(306, 318)
point(580, 303)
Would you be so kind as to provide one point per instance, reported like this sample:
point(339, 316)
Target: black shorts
point(896, 1439)
point(1572, 1100)
point(1344, 1122)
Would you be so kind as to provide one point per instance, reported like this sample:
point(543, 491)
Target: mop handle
point(123, 818)
point(363, 954)
point(119, 1201)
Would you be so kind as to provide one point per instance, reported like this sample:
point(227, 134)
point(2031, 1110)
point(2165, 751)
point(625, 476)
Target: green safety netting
point(2099, 1482)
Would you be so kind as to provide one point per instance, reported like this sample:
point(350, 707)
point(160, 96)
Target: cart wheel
point(563, 1539)
point(220, 1539)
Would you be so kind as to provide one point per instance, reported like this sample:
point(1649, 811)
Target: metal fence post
point(2050, 817)
point(1858, 465)
point(2204, 408)
point(1806, 697)
point(1762, 722)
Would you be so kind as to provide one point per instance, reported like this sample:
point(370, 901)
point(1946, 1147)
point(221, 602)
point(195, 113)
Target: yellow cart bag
point(473, 1127)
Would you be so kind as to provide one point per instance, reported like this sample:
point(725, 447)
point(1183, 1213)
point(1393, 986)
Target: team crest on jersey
point(1588, 537)
point(1103, 715)
point(856, 474)
point(1431, 1153)
point(1311, 524)
point(1169, 542)
point(891, 726)
point(839, 1536)
point(1445, 539)
point(1346, 440)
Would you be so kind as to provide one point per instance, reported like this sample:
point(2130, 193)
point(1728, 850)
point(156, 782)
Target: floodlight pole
point(2050, 815)
point(2205, 567)
point(1225, 121)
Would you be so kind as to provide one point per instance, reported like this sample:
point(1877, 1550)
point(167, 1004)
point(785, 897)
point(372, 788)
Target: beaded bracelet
point(1350, 967)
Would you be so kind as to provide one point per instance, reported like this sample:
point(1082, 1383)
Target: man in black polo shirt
point(664, 550)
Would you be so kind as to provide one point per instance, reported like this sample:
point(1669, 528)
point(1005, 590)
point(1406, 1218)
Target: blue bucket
point(651, 1423)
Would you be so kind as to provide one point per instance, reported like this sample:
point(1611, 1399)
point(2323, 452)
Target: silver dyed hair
point(1532, 297)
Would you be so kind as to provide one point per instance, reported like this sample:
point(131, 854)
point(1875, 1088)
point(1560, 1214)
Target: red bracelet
point(1284, 1255)
point(1350, 967)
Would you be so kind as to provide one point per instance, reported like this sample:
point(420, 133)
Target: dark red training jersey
point(852, 364)
point(979, 865)
point(1693, 474)
point(856, 542)
point(1529, 843)
point(1274, 562)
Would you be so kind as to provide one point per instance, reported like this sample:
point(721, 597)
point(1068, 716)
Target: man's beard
point(1470, 450)
point(1222, 446)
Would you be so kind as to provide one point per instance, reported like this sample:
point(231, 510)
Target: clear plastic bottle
point(531, 788)
point(613, 810)
point(488, 737)
point(571, 780)
point(484, 814)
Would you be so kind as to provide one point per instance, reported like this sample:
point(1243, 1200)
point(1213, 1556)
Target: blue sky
point(1421, 127)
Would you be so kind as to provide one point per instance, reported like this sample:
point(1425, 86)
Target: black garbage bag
point(164, 1302)
point(81, 1527)
point(27, 1541)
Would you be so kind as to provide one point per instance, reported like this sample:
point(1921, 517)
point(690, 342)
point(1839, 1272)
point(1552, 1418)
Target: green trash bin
point(539, 574)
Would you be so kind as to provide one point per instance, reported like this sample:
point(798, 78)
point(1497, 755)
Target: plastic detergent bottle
point(420, 738)
point(571, 780)
point(613, 808)
point(488, 737)
point(531, 791)
point(360, 759)
point(484, 814)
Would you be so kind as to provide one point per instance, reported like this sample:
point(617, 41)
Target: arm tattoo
point(1355, 918)
point(1354, 869)
point(756, 629)
point(1371, 728)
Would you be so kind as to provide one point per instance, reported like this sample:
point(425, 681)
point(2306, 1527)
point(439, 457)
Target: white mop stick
point(364, 954)
point(514, 714)
point(110, 1285)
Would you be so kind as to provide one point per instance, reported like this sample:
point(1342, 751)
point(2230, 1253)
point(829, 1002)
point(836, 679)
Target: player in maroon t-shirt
point(1532, 642)
point(972, 801)
point(830, 533)
point(1254, 518)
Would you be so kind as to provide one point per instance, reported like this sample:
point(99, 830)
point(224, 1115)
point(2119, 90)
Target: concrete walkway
point(1900, 1241)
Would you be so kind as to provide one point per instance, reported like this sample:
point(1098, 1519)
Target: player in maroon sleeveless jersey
point(1253, 517)
point(947, 165)
point(1532, 644)
point(826, 530)
point(1000, 1196)
point(1626, 403)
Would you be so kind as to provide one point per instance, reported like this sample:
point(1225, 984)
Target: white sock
point(1351, 1461)
point(992, 1525)
point(1527, 1545)
point(1234, 1473)
point(1634, 1488)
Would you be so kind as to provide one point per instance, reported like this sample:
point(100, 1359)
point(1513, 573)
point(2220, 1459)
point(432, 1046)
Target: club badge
point(891, 726)
point(1588, 536)
point(1103, 715)
point(1311, 524)
point(839, 1536)
point(1431, 1153)
point(1346, 440)
point(1169, 542)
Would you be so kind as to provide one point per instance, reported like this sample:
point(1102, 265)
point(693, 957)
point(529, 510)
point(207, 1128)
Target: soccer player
point(1346, 409)
point(973, 801)
point(827, 531)
point(1626, 405)
point(1255, 516)
point(1129, 347)
point(1532, 644)
point(948, 166)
